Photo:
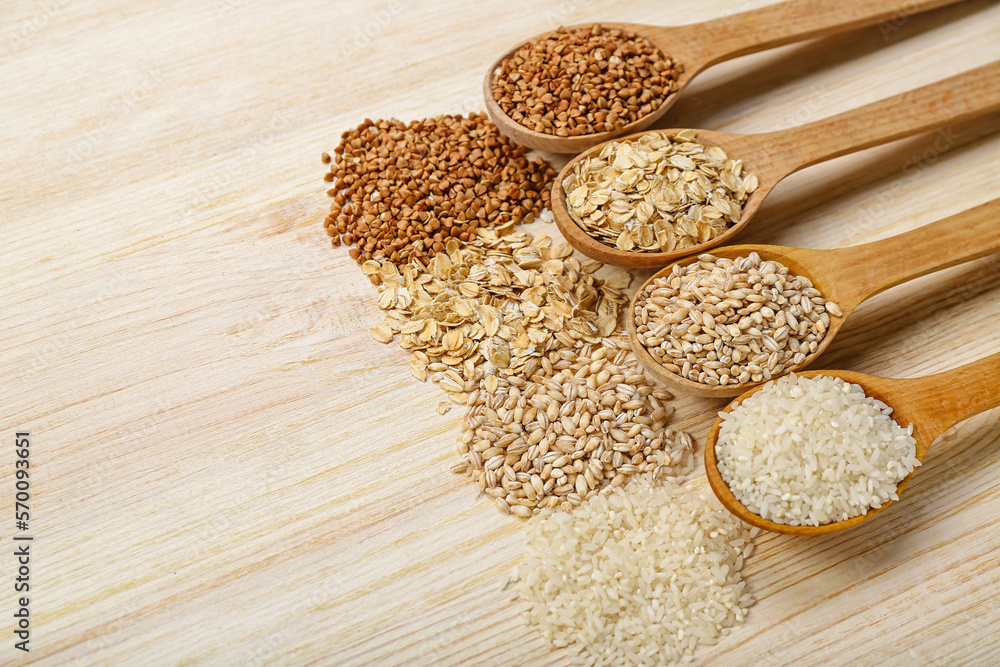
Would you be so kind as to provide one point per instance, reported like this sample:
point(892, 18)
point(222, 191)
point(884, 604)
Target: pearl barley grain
point(719, 321)
point(584, 420)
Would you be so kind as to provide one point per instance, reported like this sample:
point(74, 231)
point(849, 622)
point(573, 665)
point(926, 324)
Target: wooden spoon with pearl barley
point(847, 277)
point(932, 404)
point(699, 45)
point(772, 156)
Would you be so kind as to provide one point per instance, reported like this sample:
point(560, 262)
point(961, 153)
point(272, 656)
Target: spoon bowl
point(756, 162)
point(786, 256)
point(697, 46)
point(553, 144)
point(772, 156)
point(932, 404)
point(837, 274)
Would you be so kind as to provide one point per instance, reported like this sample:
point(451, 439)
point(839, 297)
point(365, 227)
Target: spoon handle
point(945, 399)
point(862, 271)
point(786, 22)
point(967, 95)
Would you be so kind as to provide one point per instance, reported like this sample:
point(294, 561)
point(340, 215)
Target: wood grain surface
point(227, 470)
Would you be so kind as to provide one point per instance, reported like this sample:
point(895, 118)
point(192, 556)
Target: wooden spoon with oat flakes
point(760, 160)
point(696, 46)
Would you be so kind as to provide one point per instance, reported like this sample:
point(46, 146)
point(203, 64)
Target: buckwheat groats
point(402, 190)
point(584, 81)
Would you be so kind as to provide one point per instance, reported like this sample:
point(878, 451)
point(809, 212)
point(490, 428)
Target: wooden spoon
point(848, 276)
point(774, 155)
point(933, 404)
point(699, 45)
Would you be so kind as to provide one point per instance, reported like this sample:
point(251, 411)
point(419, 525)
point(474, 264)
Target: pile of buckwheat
point(583, 82)
point(402, 190)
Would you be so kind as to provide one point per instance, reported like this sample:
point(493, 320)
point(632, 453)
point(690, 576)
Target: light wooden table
point(227, 470)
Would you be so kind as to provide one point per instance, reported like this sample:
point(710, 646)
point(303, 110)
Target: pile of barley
point(808, 451)
point(640, 576)
point(585, 419)
point(583, 82)
point(658, 193)
point(719, 321)
point(496, 304)
point(401, 191)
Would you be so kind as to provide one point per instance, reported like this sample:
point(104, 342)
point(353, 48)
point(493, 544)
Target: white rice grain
point(638, 576)
point(809, 451)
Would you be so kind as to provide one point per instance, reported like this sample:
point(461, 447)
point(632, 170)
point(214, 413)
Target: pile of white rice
point(638, 576)
point(809, 451)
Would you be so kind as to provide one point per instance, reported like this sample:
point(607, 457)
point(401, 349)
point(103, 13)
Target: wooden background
point(228, 471)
